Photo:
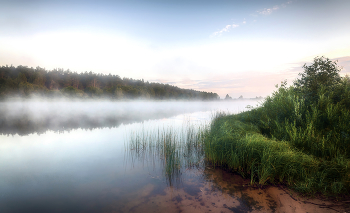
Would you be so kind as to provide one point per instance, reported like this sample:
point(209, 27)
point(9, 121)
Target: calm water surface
point(73, 157)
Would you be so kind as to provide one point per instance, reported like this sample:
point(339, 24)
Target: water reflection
point(28, 117)
point(174, 150)
point(97, 171)
point(193, 184)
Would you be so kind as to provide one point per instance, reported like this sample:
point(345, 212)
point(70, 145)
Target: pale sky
point(228, 47)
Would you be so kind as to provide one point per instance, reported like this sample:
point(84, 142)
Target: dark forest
point(22, 81)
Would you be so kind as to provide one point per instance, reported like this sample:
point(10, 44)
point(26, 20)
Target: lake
point(76, 157)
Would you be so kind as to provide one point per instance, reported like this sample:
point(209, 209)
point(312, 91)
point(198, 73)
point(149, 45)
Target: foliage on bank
point(24, 81)
point(299, 136)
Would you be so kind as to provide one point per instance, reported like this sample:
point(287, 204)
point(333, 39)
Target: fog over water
point(78, 161)
point(34, 116)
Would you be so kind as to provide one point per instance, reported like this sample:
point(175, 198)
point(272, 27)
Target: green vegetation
point(177, 150)
point(24, 82)
point(299, 136)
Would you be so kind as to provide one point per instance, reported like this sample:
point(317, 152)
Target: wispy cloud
point(225, 29)
point(268, 11)
point(265, 11)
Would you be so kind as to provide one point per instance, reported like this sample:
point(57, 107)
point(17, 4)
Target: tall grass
point(289, 141)
point(321, 129)
point(176, 149)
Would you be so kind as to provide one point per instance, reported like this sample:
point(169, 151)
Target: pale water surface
point(74, 157)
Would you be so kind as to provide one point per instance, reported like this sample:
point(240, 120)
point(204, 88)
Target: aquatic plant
point(176, 149)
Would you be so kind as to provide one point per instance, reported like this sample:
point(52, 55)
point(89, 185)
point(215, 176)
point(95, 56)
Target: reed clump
point(299, 136)
point(175, 149)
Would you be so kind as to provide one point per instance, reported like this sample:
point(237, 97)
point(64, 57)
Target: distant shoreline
point(24, 81)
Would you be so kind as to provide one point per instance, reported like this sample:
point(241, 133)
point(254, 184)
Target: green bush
point(299, 136)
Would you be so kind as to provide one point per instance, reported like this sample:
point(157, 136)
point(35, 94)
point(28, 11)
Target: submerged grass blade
point(177, 150)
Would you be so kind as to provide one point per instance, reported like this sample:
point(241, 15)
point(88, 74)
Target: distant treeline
point(24, 81)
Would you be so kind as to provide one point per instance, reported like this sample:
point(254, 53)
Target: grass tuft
point(289, 141)
point(177, 150)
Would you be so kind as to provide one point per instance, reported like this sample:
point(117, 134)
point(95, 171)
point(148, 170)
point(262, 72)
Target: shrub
point(300, 136)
